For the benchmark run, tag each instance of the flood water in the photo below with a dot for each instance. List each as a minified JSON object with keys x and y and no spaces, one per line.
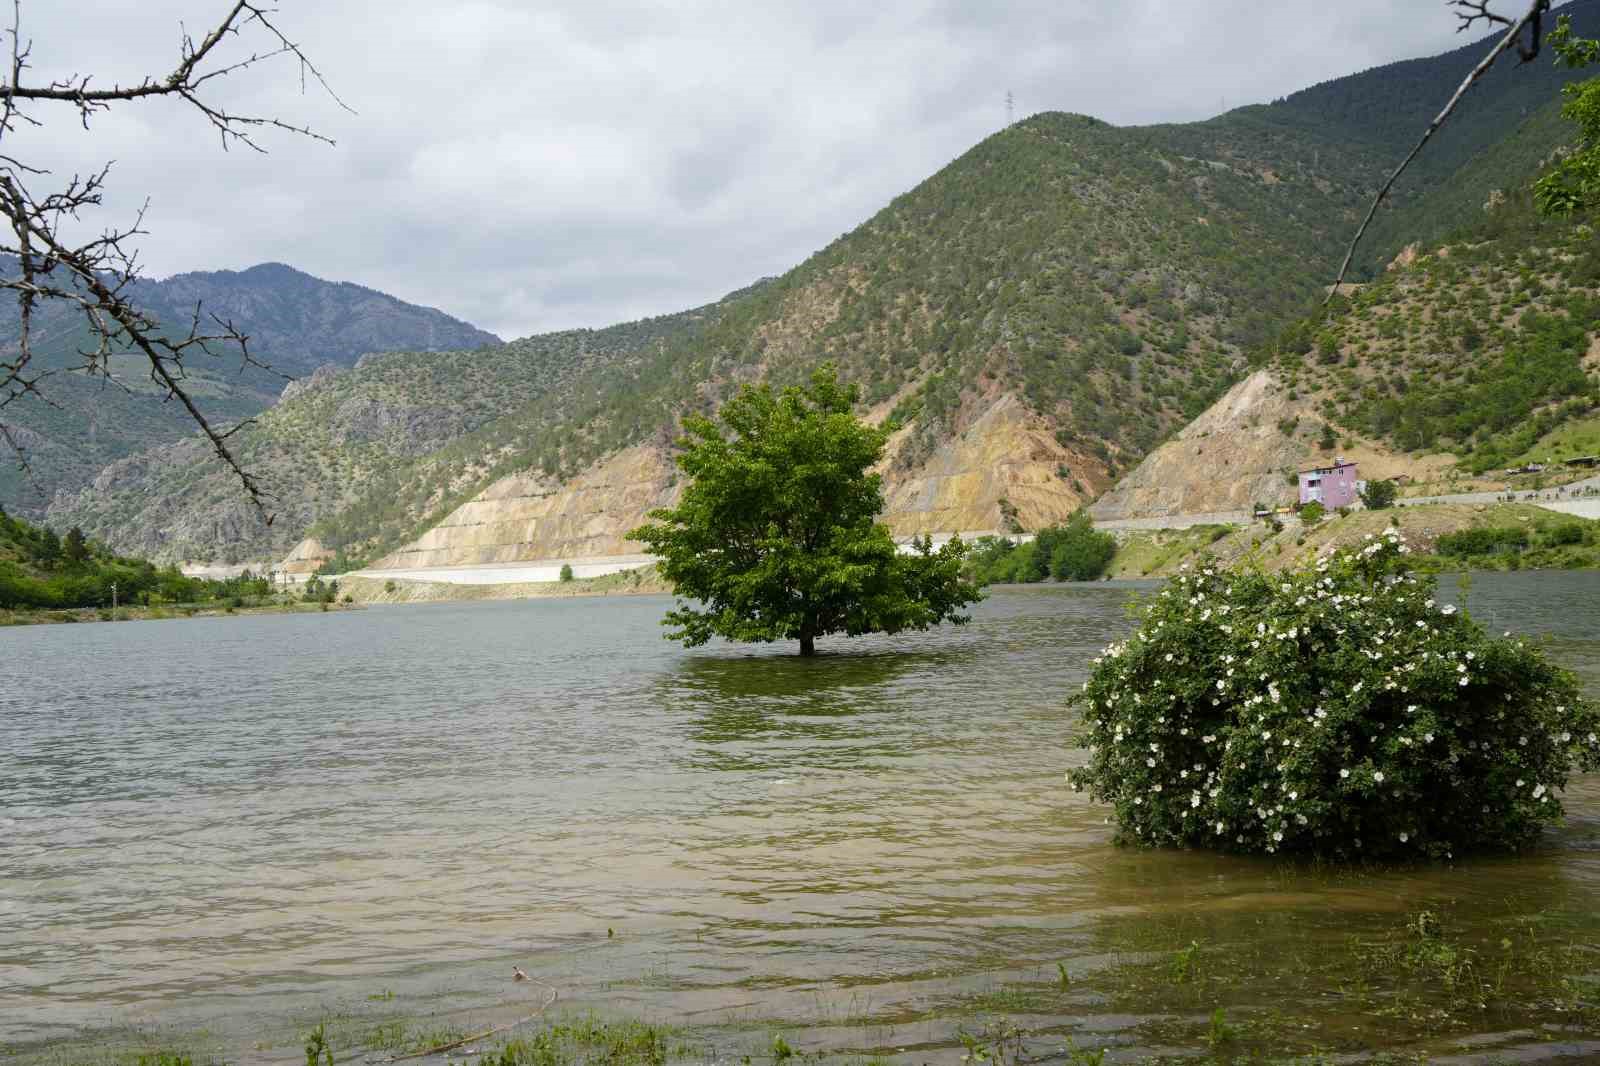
{"x":239,"y":823}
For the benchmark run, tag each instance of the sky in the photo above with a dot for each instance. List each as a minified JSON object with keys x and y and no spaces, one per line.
{"x":538,"y":166}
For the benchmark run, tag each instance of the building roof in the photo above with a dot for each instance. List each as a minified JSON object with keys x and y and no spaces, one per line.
{"x":1320,"y":468}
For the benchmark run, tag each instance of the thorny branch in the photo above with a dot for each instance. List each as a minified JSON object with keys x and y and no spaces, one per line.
{"x":1468,"y":14}
{"x":94,"y":278}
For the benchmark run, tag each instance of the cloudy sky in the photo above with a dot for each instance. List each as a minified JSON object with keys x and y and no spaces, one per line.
{"x":531,"y":166}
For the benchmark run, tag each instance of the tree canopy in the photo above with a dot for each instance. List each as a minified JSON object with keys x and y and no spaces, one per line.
{"x":1573,"y":181}
{"x":777,"y":536}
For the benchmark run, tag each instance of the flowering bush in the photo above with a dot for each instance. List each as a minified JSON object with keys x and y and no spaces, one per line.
{"x":1336,"y":711}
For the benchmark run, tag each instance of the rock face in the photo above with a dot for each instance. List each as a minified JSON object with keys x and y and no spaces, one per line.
{"x":1242,"y":450}
{"x":1230,"y":458}
{"x":306,"y":557}
{"x":527,"y":517}
{"x":1005,"y":454}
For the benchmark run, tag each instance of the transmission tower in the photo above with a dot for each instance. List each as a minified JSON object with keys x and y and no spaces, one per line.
{"x":1011,"y":108}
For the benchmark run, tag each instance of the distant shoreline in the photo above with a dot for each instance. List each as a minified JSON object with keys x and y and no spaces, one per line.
{"x":76,"y":615}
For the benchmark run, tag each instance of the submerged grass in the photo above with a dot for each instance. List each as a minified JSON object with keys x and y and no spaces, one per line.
{"x":588,"y":1040}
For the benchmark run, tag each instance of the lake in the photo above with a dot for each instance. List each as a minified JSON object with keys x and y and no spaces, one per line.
{"x":238,"y":825}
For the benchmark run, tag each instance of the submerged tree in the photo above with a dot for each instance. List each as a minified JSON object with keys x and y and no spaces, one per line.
{"x":777,"y":537}
{"x":1337,"y":710}
{"x":92,"y":274}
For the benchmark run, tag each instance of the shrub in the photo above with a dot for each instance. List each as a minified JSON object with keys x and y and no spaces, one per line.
{"x":1335,"y":711}
{"x":566,"y":571}
{"x":1379,"y":495}
{"x":1312,"y":513}
{"x":1075,"y":551}
{"x":1484,"y":540}
{"x":1564,"y":534}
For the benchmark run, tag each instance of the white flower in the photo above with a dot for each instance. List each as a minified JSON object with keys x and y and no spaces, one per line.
{"x":1277,"y":836}
{"x":1150,"y":763}
{"x":1427,"y":738}
{"x":1448,"y":608}
{"x":1520,"y":782}
{"x":1294,"y":795}
{"x":1378,"y":777}
{"x":1462,"y":681}
{"x":1404,"y":837}
{"x":1344,"y":773}
{"x":1538,"y":791}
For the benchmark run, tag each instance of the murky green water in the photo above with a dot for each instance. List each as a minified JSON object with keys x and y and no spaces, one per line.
{"x":240,"y":824}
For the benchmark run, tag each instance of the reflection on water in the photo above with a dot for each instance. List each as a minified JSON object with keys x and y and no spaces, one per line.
{"x":219,"y":822}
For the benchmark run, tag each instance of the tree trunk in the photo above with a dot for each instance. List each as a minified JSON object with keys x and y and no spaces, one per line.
{"x":808,"y":642}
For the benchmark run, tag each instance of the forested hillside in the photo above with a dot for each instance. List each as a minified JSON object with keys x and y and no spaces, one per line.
{"x":1110,"y":279}
{"x":295,"y":323}
{"x":1482,"y":347}
{"x":357,"y":442}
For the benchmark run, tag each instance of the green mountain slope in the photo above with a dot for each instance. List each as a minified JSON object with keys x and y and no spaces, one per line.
{"x":349,"y":441}
{"x":1107,"y":279}
{"x":1479,"y":349}
{"x":295,"y":323}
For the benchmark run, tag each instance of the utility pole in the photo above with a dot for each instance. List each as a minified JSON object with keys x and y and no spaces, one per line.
{"x":113,"y":599}
{"x":1011,"y":107}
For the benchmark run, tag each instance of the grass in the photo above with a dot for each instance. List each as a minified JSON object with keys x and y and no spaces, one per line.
{"x":1160,"y":553}
{"x":1567,"y":441}
{"x":1145,"y":554}
{"x":589,"y":1039}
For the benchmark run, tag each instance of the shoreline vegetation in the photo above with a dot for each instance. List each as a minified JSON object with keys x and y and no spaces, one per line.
{"x":1447,"y":537}
{"x":139,"y":613}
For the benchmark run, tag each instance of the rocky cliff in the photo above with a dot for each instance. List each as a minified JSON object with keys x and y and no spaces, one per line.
{"x":1243,"y":450}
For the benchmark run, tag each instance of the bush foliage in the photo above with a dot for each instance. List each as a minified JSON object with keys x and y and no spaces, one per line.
{"x":1337,"y":711}
{"x":1073,"y":551}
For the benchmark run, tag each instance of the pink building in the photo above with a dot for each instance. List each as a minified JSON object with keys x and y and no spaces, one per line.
{"x":1332,"y":486}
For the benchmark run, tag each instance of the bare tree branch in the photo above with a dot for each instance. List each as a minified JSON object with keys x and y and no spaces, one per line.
{"x":1470,"y":12}
{"x":95,"y":277}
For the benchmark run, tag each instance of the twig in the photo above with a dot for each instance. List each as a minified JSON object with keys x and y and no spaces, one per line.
{"x":94,"y":279}
{"x":486,"y":1033}
{"x":1479,"y":10}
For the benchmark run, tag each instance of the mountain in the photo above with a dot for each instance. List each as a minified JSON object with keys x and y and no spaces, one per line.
{"x":295,"y":322}
{"x":1032,"y":320}
{"x":360,"y":443}
{"x":1461,"y":361}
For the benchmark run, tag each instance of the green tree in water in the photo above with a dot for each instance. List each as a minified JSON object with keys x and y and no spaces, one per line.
{"x":777,"y":536}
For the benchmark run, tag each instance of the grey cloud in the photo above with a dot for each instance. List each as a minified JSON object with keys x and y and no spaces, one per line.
{"x":579,"y":162}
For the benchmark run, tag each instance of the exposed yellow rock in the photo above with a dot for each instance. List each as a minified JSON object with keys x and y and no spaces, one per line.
{"x":534,"y":517}
{"x":1237,"y":454}
{"x":1005,"y":452}
{"x":306,"y":557}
